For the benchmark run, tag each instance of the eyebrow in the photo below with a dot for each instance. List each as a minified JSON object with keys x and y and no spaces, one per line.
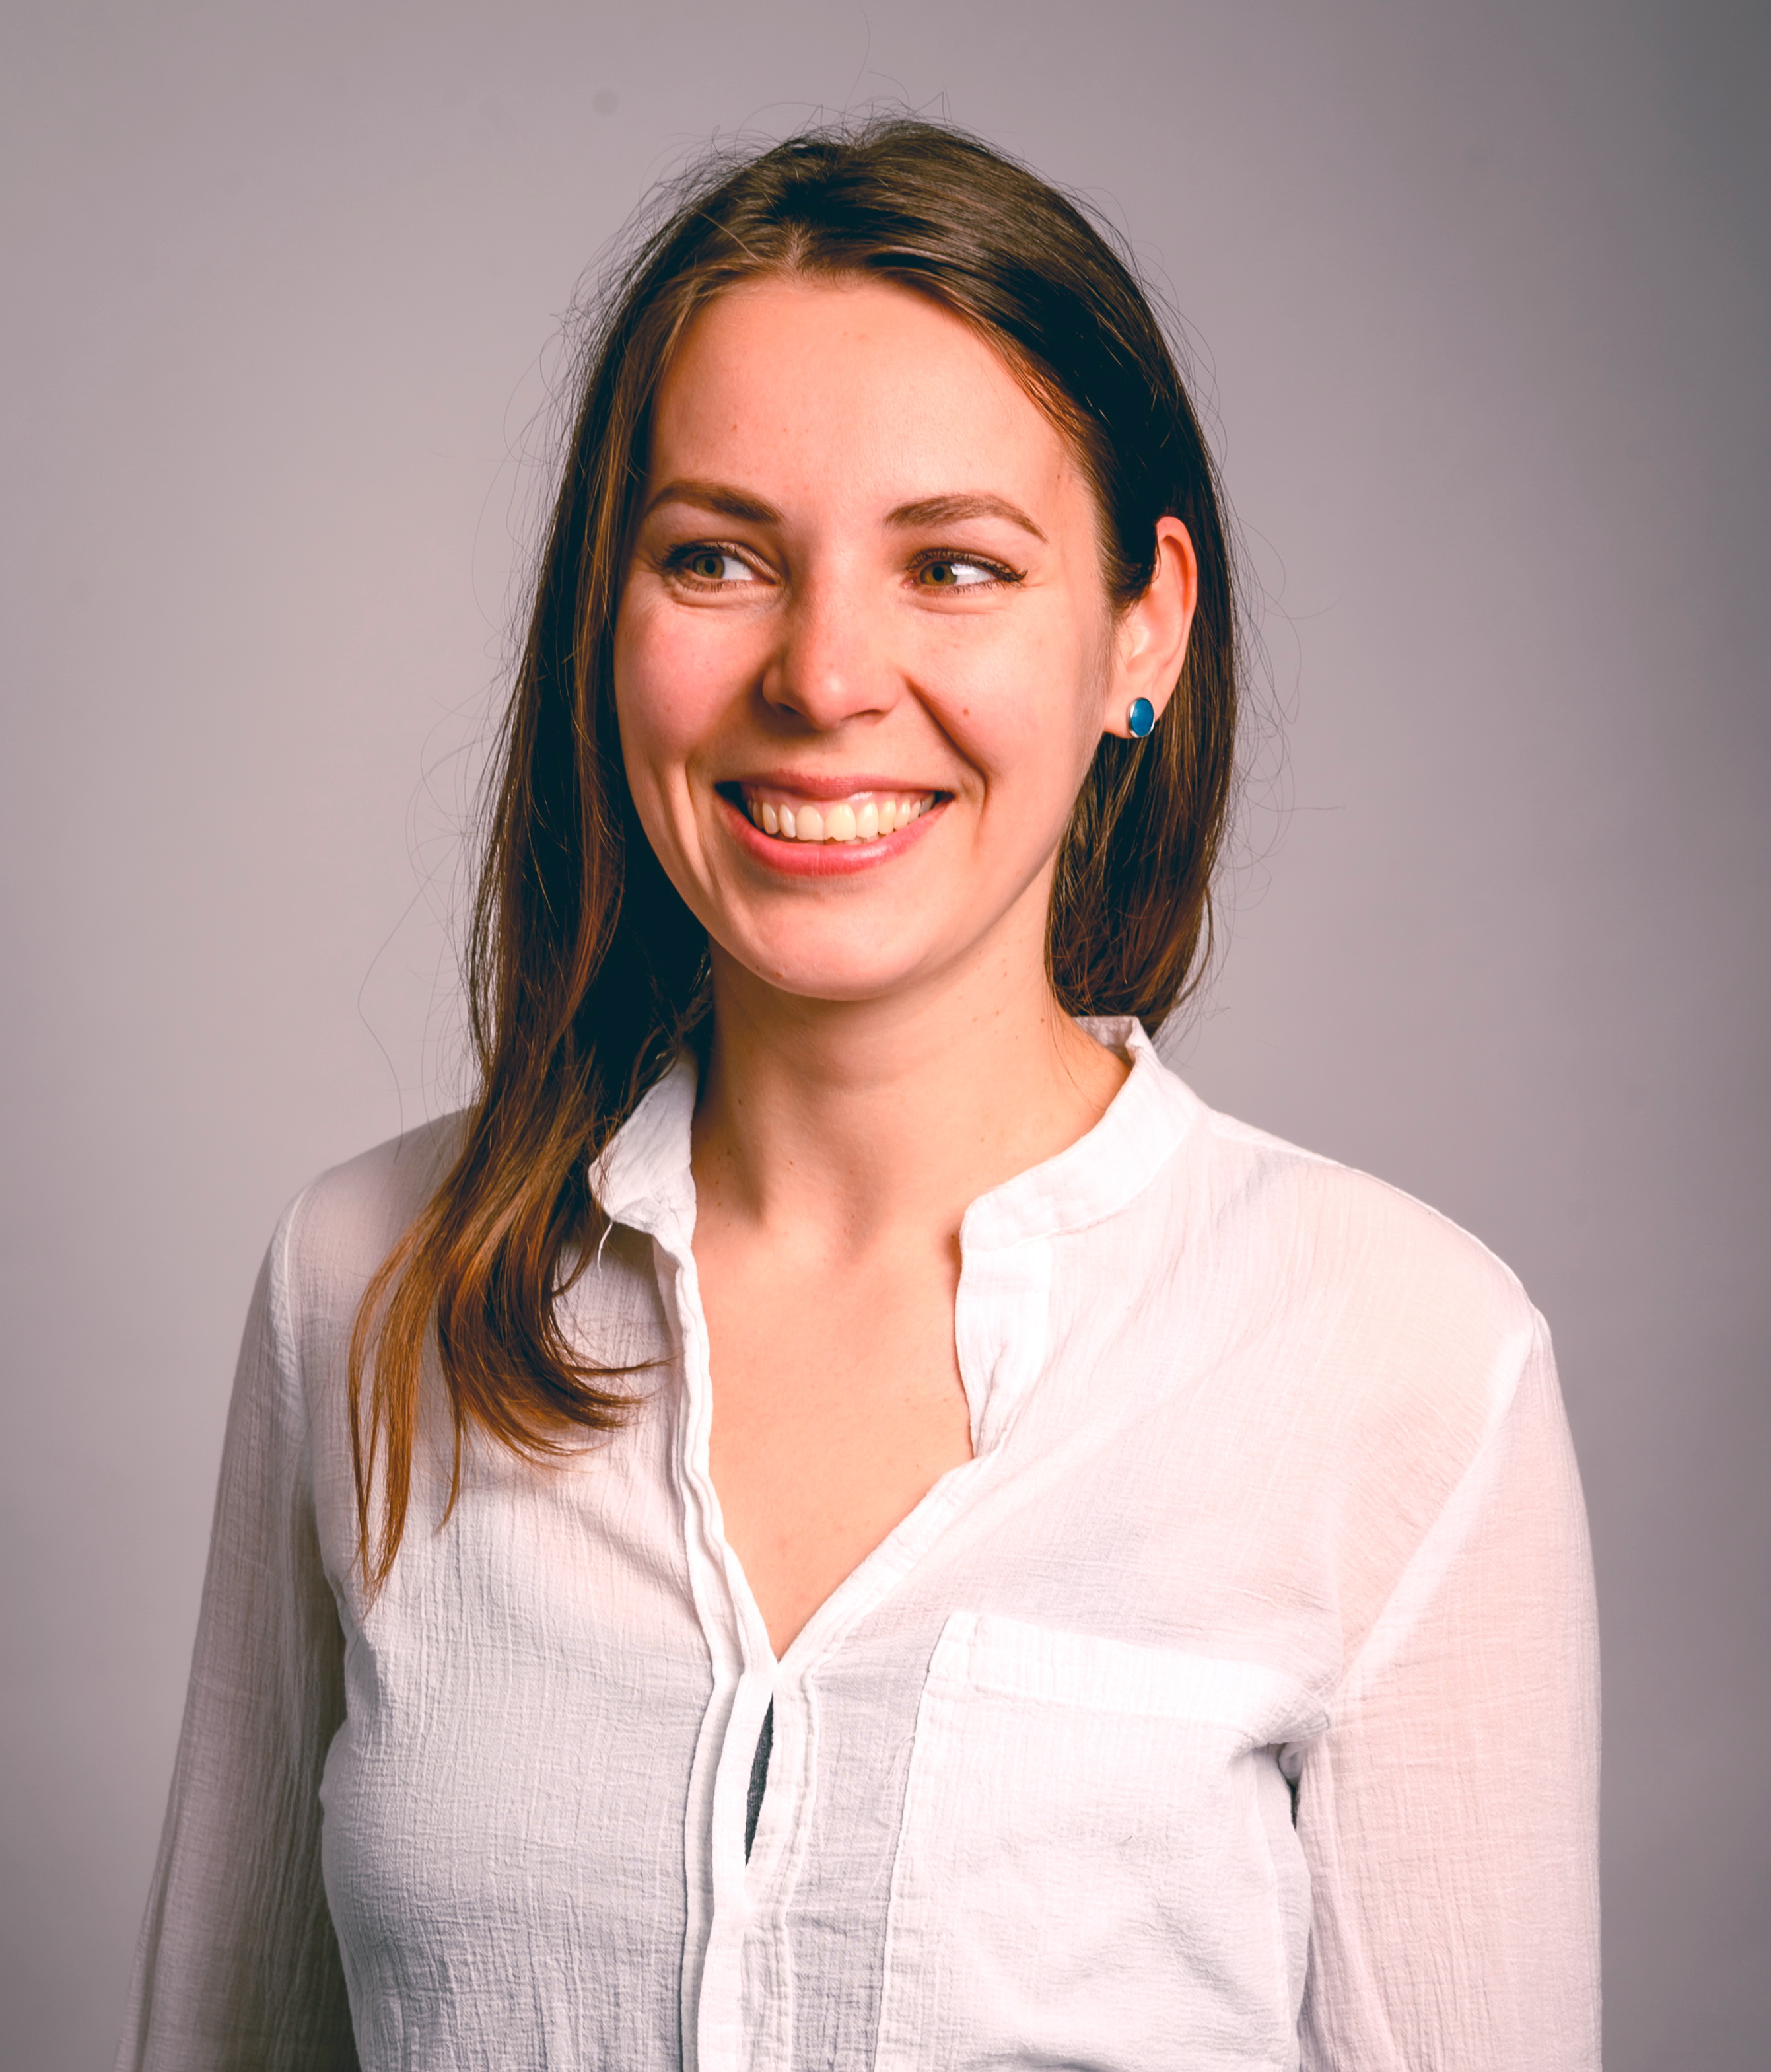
{"x":950,"y":510}
{"x":730,"y":502}
{"x":717,"y":497}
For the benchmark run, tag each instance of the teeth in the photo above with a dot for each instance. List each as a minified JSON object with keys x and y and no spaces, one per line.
{"x":840,"y":821}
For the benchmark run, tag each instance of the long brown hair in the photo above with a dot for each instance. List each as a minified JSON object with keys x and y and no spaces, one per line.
{"x":586,"y":970}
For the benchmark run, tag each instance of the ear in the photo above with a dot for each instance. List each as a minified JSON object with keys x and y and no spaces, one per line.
{"x":1150,"y":637}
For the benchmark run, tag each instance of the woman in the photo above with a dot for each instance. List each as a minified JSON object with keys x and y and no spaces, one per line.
{"x":838,"y":1517}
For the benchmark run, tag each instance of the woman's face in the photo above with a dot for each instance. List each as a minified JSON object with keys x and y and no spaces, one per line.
{"x":864,"y":650}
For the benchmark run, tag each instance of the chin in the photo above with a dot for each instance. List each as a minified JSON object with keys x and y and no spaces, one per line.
{"x":859,"y":970}
{"x":837,"y":982}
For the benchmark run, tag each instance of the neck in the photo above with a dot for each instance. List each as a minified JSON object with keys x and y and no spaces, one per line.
{"x":849,"y":1120}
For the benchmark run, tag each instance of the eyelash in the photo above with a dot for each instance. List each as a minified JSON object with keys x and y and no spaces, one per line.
{"x":1000,"y":575}
{"x":676,"y":561}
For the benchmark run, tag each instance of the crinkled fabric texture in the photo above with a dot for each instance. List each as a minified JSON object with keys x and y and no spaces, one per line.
{"x":1233,"y":1707}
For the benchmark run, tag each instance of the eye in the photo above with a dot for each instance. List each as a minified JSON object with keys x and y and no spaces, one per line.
{"x":703,"y":564}
{"x":960,"y":572}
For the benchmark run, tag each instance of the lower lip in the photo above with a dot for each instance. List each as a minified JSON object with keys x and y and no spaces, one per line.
{"x":824,"y":859}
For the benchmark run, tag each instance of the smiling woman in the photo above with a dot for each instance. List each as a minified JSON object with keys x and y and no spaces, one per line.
{"x":906,"y":621}
{"x":838,"y":1517}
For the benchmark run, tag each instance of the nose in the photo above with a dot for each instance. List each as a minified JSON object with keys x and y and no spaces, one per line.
{"x":832,"y":664}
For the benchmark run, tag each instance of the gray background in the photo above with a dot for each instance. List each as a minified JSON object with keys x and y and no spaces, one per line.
{"x":1480,"y":306}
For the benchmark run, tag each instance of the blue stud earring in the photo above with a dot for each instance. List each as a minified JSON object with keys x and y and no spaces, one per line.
{"x":1140,"y":718}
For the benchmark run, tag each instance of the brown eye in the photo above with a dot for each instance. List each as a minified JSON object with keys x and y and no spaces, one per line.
{"x":711,"y":565}
{"x":955,"y":573}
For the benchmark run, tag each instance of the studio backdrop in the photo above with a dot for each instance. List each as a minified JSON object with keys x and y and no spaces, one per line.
{"x":1476,"y":293}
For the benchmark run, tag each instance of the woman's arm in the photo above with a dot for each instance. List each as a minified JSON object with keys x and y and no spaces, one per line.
{"x":1450,"y":1815}
{"x":238,"y":1964}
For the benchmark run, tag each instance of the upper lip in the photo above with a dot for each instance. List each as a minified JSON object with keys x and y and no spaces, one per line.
{"x":807,"y":784}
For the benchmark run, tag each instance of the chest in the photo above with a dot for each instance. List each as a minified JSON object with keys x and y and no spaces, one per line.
{"x":999,"y":1823}
{"x":838,"y":1403}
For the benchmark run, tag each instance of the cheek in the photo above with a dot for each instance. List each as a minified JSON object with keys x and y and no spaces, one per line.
{"x":1027,"y":712}
{"x":668,"y":691}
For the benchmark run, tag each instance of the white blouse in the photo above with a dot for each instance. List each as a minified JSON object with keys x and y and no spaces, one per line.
{"x":1234,"y":1707}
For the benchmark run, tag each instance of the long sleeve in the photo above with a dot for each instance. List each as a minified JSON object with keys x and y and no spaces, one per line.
{"x":1450,"y":1813}
{"x":237,"y":1965}
{"x":1267,"y":1456}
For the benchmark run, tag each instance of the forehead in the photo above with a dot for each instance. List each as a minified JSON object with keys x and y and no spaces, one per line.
{"x":862,"y":383}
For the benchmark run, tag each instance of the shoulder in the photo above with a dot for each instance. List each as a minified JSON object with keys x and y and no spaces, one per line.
{"x":1387,"y":1306}
{"x":1267,"y":1213}
{"x":1336,"y":1219}
{"x":337,"y":1230}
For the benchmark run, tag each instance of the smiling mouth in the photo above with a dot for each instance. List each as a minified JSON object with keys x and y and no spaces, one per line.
{"x":863,"y":816}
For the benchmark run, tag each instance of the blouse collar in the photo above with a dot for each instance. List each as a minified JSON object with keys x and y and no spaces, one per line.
{"x":644,"y":1180}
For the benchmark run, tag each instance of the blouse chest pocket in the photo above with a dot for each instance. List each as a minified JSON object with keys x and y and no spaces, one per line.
{"x":1096,"y":1867}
